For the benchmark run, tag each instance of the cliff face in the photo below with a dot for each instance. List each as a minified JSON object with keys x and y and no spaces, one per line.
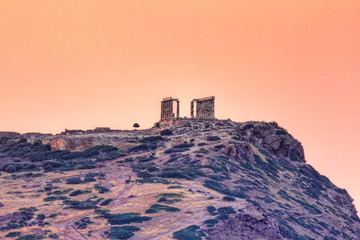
{"x":200,"y":179}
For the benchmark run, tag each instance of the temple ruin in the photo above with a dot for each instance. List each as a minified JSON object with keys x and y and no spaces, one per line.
{"x":168,"y":117}
{"x":204,"y":107}
{"x":167,"y":112}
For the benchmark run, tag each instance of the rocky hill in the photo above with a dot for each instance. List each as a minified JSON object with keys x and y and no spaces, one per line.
{"x":202,"y":179}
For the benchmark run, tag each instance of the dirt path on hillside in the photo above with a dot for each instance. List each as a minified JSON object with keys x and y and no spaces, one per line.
{"x":118,"y":201}
{"x":67,"y":229}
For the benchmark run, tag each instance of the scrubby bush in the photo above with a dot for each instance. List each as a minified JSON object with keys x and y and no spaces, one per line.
{"x":184,"y":145}
{"x":162,"y":199}
{"x":151,"y":210}
{"x":175,"y":187}
{"x":294,"y":157}
{"x":82,"y":205}
{"x":142,"y":147}
{"x":228,"y":199}
{"x":211,"y":210}
{"x":213,"y":138}
{"x":13,"y":234}
{"x":219,"y":187}
{"x":268,"y":199}
{"x":144,"y":174}
{"x":74,"y":180}
{"x":75,"y":193}
{"x":166,"y":132}
{"x":202,"y":151}
{"x":157,"y":207}
{"x":125,"y":218}
{"x":189,"y":233}
{"x":288,"y":232}
{"x":85,"y":166}
{"x":53,"y":163}
{"x":226,"y":210}
{"x":152,"y":139}
{"x":10,"y":168}
{"x":30,"y":237}
{"x":170,"y":195}
{"x":124,"y":232}
{"x":106,"y":202}
{"x":216,"y":177}
{"x":145,"y":158}
{"x":83,"y":223}
{"x":270,"y":167}
{"x":176,"y":150}
{"x":41,"y":216}
{"x":54,"y":198}
{"x":211,"y":222}
{"x":101,"y":189}
{"x":220,"y":146}
{"x":329,"y":238}
{"x":65,"y":191}
{"x":152,"y":169}
{"x":92,"y":174}
{"x":188,"y":174}
{"x":89,"y":179}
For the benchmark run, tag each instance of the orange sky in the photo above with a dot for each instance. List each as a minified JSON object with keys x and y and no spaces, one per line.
{"x":81,"y":64}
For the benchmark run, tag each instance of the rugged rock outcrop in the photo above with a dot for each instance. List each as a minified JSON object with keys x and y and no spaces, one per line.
{"x":246,"y":227}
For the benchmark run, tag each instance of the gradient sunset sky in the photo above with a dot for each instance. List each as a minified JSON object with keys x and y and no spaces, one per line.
{"x":85,"y":64}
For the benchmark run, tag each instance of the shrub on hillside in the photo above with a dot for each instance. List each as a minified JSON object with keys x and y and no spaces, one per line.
{"x":166,"y":132}
{"x":144,"y":174}
{"x":101,"y":189}
{"x":211,"y":210}
{"x":211,"y":222}
{"x":188,"y":174}
{"x":82,"y":205}
{"x":74,"y":180}
{"x":75,"y":193}
{"x":125,"y":218}
{"x":176,"y":150}
{"x":157,"y":207}
{"x":54,"y":198}
{"x":141,"y":147}
{"x":89,"y":179}
{"x":13,"y":234}
{"x":213,"y":138}
{"x":152,"y":169}
{"x":124,"y":232}
{"x":228,"y":199}
{"x":106,"y":202}
{"x":219,"y":187}
{"x":83,"y":223}
{"x":189,"y":233}
{"x":152,"y":139}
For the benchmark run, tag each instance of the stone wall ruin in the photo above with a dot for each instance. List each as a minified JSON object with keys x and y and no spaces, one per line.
{"x":167,"y":112}
{"x":205,"y":107}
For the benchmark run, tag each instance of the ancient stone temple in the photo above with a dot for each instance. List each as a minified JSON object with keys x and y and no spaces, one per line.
{"x":205,"y":107}
{"x":167,"y":108}
{"x":168,"y":117}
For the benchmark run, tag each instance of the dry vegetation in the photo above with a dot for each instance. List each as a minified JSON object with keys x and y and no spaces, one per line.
{"x":189,"y":185}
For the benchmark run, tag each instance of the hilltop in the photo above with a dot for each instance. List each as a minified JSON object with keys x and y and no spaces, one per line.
{"x":201,"y":179}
